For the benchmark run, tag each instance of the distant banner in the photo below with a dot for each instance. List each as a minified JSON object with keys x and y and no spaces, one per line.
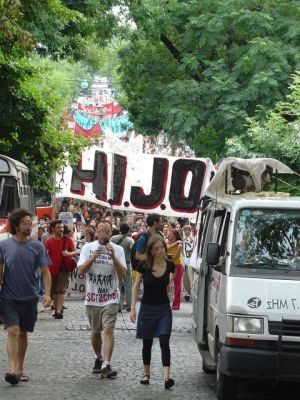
{"x":88,"y":109}
{"x":119,"y":126}
{"x":137,"y":182}
{"x":84,"y":121}
{"x":112,"y":109}
{"x":94,"y":131}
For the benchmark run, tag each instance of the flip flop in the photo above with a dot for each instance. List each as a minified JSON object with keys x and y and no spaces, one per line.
{"x":11,"y":378}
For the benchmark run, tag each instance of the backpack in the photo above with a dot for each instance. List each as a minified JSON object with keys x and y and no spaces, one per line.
{"x":121,"y":240}
{"x":133,"y":260}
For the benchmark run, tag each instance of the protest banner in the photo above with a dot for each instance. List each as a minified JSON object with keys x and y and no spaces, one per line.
{"x":170,"y":186}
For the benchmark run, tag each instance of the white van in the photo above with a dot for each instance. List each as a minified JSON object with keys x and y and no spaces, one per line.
{"x":246,"y":277}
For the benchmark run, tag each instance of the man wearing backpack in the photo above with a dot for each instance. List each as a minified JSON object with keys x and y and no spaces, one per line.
{"x":126,"y":242}
{"x":154,"y":222}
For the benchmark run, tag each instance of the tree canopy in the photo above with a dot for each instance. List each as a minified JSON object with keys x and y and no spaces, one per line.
{"x":198,"y":69}
{"x":277,"y":137}
{"x":36,"y":90}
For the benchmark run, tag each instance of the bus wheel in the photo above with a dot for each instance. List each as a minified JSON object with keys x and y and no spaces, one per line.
{"x":226,"y":385}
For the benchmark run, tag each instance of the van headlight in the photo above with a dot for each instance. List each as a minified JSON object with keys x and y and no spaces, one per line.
{"x":245,"y":325}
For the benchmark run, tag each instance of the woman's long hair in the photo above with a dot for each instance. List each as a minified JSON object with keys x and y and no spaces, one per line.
{"x":149,"y":256}
{"x":176,"y":234}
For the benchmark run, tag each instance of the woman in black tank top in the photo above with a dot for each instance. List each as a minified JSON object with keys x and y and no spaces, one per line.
{"x":155,"y":314}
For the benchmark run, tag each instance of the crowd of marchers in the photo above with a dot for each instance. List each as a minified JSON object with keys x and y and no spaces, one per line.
{"x":117,"y":253}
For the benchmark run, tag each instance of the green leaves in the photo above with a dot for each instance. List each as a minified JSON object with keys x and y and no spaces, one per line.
{"x":36,"y":91}
{"x":276,"y":137}
{"x":240,"y":55}
{"x":199,"y":70}
{"x":34,"y":94}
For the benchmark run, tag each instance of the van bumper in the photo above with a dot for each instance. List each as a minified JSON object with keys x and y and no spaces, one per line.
{"x":260,"y":363}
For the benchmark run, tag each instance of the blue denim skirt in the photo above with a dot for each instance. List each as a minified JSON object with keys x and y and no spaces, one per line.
{"x":154,"y":321}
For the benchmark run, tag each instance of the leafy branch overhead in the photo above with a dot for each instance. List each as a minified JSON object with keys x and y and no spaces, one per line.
{"x":278,"y":136}
{"x":218,"y":63}
{"x":199,"y":70}
{"x":46,"y":49}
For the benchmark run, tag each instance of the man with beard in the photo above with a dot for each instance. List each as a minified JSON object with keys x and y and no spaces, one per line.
{"x":58,"y":247}
{"x":102,"y":262}
{"x":20,"y":260}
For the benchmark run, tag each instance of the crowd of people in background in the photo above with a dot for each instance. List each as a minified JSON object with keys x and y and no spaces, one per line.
{"x":86,"y":217}
{"x":127,"y":228}
{"x":86,"y":213}
{"x":156,"y":145}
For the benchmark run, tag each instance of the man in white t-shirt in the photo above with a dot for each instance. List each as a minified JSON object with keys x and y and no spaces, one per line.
{"x":102,"y":262}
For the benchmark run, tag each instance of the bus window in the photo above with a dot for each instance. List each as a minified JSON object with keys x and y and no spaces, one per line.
{"x":26,"y":179}
{"x":42,"y":198}
{"x":9,"y":198}
{"x":44,"y":204}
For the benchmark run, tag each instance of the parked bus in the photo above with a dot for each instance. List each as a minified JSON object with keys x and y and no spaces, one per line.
{"x":15,"y":191}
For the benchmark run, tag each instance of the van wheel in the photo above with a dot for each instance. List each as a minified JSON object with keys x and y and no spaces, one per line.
{"x":226,"y":385}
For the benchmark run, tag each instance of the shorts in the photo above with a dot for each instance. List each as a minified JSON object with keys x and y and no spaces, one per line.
{"x":60,"y":283}
{"x":19,"y":313}
{"x":100,"y":317}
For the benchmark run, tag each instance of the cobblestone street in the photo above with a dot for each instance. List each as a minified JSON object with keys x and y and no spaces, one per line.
{"x":60,"y":359}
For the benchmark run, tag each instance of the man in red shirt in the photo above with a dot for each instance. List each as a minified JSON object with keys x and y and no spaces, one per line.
{"x":59,"y":246}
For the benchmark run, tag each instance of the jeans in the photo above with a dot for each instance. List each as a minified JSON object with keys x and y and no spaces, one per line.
{"x":127,"y":283}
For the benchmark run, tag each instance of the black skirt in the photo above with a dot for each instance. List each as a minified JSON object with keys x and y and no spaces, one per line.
{"x":154,"y":321}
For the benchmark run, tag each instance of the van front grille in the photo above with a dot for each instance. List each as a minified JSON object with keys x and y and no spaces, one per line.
{"x":284,"y":328}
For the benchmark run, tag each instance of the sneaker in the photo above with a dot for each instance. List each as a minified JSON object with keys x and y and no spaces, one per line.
{"x":98,"y":366}
{"x":107,"y":372}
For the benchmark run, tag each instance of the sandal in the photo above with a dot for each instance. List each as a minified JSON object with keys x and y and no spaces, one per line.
{"x":11,"y":378}
{"x":145,"y":381}
{"x":169,"y":383}
{"x":22,"y":377}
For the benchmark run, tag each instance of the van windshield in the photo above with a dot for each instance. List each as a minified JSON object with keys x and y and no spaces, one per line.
{"x":268,"y":239}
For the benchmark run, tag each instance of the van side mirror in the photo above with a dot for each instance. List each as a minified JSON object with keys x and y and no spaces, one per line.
{"x":213,"y":253}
